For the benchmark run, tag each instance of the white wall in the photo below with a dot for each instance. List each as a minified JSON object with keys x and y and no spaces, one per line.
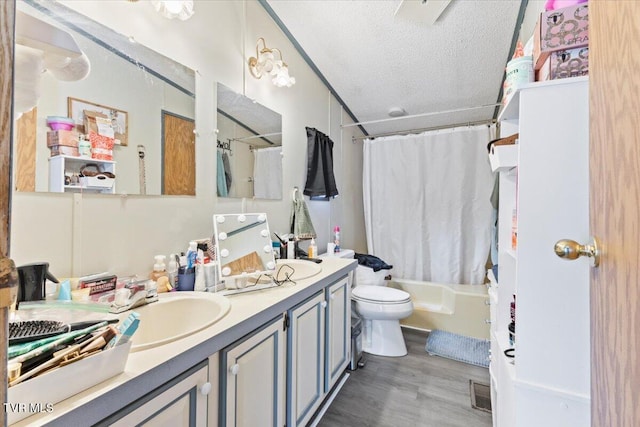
{"x":81,"y":234}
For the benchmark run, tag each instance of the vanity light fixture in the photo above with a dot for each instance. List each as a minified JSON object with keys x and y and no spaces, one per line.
{"x":181,"y":9}
{"x":265,"y":62}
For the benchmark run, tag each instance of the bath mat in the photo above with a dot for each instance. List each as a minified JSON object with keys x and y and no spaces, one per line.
{"x":458,"y":347}
{"x":480,"y":396}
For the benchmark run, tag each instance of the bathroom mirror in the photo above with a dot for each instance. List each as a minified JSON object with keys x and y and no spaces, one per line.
{"x":243,"y":245}
{"x":152,"y":96}
{"x":249,"y":147}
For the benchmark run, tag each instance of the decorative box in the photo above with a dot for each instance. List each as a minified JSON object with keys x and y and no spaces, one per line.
{"x":63,"y":150}
{"x":101,"y":146}
{"x":565,"y":63}
{"x":560,"y":29}
{"x":67,"y":138}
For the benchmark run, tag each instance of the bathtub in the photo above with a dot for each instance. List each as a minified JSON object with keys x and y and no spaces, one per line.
{"x":461,"y":309}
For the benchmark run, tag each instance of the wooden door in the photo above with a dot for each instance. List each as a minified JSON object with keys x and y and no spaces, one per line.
{"x":178,"y":155}
{"x":614,"y":86}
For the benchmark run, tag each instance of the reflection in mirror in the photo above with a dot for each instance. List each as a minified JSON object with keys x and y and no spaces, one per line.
{"x":249,"y":148}
{"x":244,"y":248}
{"x":149,"y":100}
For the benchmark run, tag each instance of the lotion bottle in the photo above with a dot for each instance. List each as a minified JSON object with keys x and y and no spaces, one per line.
{"x":313,"y":249}
{"x":159,"y":270}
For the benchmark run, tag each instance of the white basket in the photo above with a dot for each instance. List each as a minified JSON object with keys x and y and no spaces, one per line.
{"x":40,"y":394}
{"x":98,"y":181}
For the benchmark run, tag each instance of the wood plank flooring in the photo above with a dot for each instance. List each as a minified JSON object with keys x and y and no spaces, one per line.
{"x":416,"y":390}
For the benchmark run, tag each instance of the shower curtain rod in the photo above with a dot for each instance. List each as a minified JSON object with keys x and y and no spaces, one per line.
{"x":401,"y":132}
{"x":456,"y":110}
{"x":264,"y":135}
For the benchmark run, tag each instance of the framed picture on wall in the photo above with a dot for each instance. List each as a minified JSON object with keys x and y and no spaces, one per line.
{"x":119,"y":119}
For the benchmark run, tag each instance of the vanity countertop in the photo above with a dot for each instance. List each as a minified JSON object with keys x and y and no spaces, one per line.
{"x":148,"y":369}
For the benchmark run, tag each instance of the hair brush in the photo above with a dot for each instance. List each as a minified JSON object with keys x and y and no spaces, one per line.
{"x":31,"y":330}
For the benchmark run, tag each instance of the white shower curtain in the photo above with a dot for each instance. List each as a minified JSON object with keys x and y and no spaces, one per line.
{"x":267,"y":173}
{"x":426,"y":203}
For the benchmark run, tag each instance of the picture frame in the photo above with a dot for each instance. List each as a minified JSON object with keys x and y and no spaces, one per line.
{"x":119,"y":118}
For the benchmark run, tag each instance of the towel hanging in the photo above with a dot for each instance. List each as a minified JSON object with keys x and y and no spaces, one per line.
{"x":301,"y":225}
{"x":320,"y":179}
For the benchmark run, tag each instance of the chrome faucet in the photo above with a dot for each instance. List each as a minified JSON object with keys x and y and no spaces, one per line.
{"x":141,"y":296}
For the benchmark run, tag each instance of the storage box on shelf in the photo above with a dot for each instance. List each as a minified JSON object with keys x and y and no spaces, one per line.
{"x":561,"y":43}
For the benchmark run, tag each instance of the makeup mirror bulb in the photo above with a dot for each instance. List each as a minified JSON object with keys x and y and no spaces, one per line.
{"x":267,"y":249}
{"x":224,"y":253}
{"x":242,"y":218}
{"x":264,"y":233}
{"x":222,"y":236}
{"x":226,"y":271}
{"x":220,"y":219}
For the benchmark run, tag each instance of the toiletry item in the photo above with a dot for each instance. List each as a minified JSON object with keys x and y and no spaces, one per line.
{"x":210,"y":276}
{"x":84,"y":147}
{"x":312,"y":250}
{"x":199,"y":284}
{"x":336,"y":238}
{"x":65,"y":291}
{"x":291,"y":253}
{"x":172,"y":270}
{"x":276,"y":249}
{"x":159,"y":270}
{"x":33,"y":330}
{"x":192,"y":254}
{"x":331,"y":248}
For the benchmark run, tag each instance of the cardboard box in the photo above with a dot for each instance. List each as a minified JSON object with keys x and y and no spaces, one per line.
{"x":40,"y":394}
{"x":63,"y":150}
{"x":565,"y":63}
{"x":560,"y":29}
{"x":68,"y":138}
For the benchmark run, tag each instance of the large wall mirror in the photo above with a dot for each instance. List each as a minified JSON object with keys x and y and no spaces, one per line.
{"x":249,"y":148}
{"x":149,"y":98}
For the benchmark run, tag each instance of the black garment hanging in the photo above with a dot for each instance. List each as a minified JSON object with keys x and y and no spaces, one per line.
{"x":320,"y":179}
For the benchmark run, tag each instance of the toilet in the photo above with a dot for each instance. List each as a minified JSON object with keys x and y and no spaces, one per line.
{"x":381,"y":308}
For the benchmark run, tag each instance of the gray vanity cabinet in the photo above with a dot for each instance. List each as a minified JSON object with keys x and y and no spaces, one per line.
{"x":252,"y":379}
{"x":181,"y":402}
{"x":318,"y":349}
{"x":338,"y":331}
{"x":306,"y":359}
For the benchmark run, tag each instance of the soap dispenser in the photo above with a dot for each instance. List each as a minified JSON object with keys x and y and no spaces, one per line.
{"x":159,"y":271}
{"x":312,"y":250}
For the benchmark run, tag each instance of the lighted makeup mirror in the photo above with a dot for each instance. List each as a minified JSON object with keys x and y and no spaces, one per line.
{"x":244,"y":249}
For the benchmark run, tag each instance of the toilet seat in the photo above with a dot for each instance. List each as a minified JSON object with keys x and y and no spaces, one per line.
{"x":380,"y":295}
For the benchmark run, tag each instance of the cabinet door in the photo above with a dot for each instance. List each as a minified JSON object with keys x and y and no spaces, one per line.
{"x":182,"y":403}
{"x":338,"y":332}
{"x":306,"y":360}
{"x":252,"y":379}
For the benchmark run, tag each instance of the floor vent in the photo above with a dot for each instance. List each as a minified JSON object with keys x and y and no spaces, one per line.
{"x":480,"y":396}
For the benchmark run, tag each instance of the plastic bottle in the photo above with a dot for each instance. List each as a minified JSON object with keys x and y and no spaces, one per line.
{"x":172,"y":271}
{"x":291,"y":253}
{"x":192,"y":254}
{"x":312,"y":251}
{"x":336,"y":238}
{"x":84,"y":147}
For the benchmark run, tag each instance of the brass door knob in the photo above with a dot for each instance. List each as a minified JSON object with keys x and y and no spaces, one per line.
{"x":570,"y":250}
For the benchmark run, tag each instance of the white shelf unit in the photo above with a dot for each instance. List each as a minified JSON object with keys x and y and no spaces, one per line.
{"x":61,"y":165}
{"x":549,"y":382}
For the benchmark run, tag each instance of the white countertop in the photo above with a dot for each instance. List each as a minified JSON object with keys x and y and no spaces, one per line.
{"x":148,"y":369}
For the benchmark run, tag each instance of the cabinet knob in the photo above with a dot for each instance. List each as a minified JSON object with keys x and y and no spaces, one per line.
{"x":205,"y":389}
{"x":333,"y":296}
{"x":234,"y":369}
{"x":323,"y":304}
{"x":487,"y":302}
{"x":570,"y":250}
{"x":487,"y":321}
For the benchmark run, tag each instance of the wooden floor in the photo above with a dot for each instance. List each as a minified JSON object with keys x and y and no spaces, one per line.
{"x":416,"y":390}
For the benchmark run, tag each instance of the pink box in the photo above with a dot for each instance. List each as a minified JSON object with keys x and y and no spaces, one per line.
{"x":561,"y":29}
{"x":565,"y":63}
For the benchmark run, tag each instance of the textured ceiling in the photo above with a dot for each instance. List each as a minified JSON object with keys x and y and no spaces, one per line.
{"x":376,"y":61}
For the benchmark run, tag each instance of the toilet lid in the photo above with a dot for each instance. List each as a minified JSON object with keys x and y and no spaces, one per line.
{"x":380,"y":294}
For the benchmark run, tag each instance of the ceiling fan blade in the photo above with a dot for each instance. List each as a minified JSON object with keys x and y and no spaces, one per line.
{"x":423,"y":11}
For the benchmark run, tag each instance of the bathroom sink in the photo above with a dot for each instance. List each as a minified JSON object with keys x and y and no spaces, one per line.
{"x":176,"y":315}
{"x":296,"y":269}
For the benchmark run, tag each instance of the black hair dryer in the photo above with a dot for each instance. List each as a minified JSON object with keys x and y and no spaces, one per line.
{"x":32,"y":279}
